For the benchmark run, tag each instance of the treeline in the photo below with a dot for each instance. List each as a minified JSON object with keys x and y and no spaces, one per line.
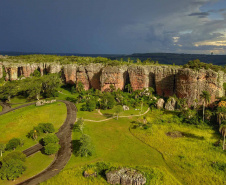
{"x":32,"y":88}
{"x":197,"y":65}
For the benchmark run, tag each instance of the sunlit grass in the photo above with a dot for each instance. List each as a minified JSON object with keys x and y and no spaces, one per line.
{"x":190,"y":156}
{"x":19,"y":122}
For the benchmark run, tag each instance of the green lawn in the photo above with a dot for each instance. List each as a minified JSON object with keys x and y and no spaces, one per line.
{"x":115,"y":144}
{"x":19,"y":122}
{"x":35,"y":164}
{"x":192,"y":156}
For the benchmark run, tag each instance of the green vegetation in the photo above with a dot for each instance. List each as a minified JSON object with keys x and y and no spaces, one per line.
{"x":192,"y":155}
{"x":18,"y":123}
{"x":197,"y":65}
{"x":12,"y":166}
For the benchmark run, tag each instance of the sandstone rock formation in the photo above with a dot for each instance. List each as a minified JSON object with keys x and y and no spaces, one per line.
{"x":166,"y":80}
{"x":138,"y":76}
{"x":125,"y":176}
{"x":190,"y":84}
{"x":113,"y":75}
{"x":160,"y":103}
{"x":170,"y":104}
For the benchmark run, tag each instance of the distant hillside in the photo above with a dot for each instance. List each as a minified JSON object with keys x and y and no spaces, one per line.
{"x":162,"y":58}
{"x":180,"y":59}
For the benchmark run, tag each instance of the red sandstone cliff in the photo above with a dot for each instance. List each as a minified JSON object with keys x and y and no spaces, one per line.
{"x":166,"y":80}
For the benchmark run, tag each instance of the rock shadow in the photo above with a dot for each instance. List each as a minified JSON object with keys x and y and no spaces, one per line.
{"x":192,"y":136}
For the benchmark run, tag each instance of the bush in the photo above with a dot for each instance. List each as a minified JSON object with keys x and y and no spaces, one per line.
{"x":50,"y":138}
{"x":46,"y":127}
{"x":13,"y":144}
{"x":86,"y":147}
{"x":90,"y":105}
{"x":15,"y":155}
{"x":51,"y":148}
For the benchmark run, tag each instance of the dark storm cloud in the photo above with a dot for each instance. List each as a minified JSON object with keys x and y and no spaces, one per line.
{"x":104,"y":26}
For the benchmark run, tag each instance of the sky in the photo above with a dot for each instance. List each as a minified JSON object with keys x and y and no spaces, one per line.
{"x":113,"y":26}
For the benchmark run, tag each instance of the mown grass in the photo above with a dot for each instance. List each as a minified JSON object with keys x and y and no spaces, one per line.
{"x":19,"y":122}
{"x":113,"y":143}
{"x":35,"y":164}
{"x":191,"y":157}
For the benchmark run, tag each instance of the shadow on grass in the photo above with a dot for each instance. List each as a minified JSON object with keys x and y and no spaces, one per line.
{"x":107,"y":115}
{"x":193,"y":136}
{"x":75,"y":147}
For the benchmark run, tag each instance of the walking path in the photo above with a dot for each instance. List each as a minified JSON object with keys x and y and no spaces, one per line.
{"x":115,"y":116}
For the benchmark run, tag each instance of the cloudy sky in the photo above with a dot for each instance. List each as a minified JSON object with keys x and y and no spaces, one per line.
{"x":113,"y":26}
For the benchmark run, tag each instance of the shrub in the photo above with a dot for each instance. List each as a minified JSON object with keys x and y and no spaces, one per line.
{"x":13,"y":144}
{"x":51,"y":148}
{"x":50,"y":138}
{"x":86,"y":147}
{"x":46,"y":127}
{"x":15,"y":155}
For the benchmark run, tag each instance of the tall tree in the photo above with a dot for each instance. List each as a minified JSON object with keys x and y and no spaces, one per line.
{"x":205,"y":96}
{"x":223,"y":132}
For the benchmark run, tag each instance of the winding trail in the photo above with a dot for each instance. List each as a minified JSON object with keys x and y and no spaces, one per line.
{"x":63,"y":155}
{"x":118,"y":117}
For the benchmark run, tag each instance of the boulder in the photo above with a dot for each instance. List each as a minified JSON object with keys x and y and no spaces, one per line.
{"x":170,"y":104}
{"x":90,"y":174}
{"x":160,"y":103}
{"x":125,"y":176}
{"x":125,"y":107}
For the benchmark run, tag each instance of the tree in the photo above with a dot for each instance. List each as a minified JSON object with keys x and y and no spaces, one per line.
{"x":13,"y":144}
{"x":80,"y":87}
{"x":223,"y":132}
{"x":51,"y":148}
{"x":33,"y":87}
{"x":13,"y":166}
{"x":129,"y":88}
{"x":79,"y":125}
{"x":50,"y":84}
{"x":89,"y":106}
{"x":73,"y":89}
{"x":2,"y":148}
{"x":9,"y":89}
{"x":118,"y":109}
{"x":12,"y":169}
{"x":46,"y":127}
{"x":86,"y":147}
{"x":205,"y":96}
{"x":50,"y":138}
{"x":221,"y":112}
{"x":36,"y":73}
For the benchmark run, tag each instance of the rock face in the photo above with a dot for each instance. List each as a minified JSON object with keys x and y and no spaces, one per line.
{"x":69,"y":71}
{"x":138,"y":76}
{"x":160,"y":103}
{"x":113,"y":75}
{"x":190,"y":84}
{"x":170,"y":104}
{"x":166,"y":80}
{"x":125,"y":176}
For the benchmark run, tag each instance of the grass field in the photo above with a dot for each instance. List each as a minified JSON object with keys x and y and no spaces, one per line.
{"x":113,"y":143}
{"x":193,"y":157}
{"x":0,"y":108}
{"x":19,"y":122}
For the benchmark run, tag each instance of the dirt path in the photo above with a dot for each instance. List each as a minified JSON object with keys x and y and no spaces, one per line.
{"x":5,"y":106}
{"x":115,"y":117}
{"x":64,"y":154}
